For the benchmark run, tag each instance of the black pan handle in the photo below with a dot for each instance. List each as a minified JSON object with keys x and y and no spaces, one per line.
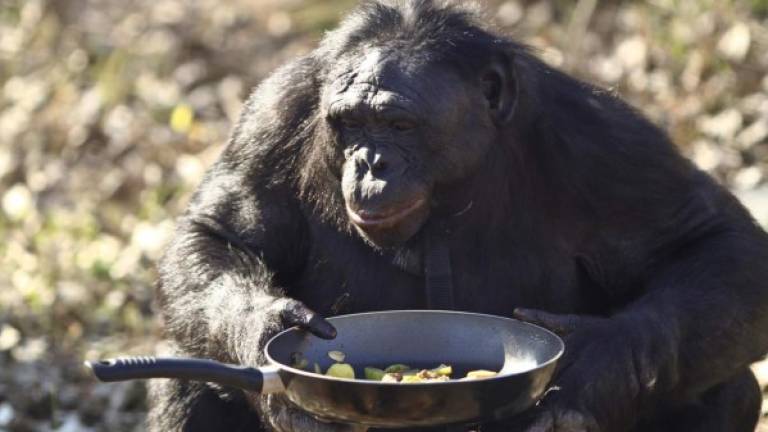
{"x":260,"y":380}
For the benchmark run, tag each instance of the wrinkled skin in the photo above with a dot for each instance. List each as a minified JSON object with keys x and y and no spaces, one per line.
{"x":389,"y":119}
{"x":559,"y":204}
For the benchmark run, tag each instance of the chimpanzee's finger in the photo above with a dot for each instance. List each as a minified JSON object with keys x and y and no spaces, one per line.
{"x":560,"y":324}
{"x":295,"y":312}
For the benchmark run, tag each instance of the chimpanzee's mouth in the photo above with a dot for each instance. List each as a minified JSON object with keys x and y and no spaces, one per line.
{"x":388,"y":217}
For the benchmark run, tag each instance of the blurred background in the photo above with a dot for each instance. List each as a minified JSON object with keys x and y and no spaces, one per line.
{"x":111,"y":110}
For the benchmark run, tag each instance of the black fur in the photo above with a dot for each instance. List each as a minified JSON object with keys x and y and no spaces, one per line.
{"x":577,"y":206}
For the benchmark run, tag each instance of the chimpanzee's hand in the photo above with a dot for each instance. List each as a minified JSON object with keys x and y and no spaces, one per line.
{"x":272,"y":315}
{"x":283,"y":416}
{"x":276,"y":411}
{"x":294,"y":313}
{"x":600,"y":379}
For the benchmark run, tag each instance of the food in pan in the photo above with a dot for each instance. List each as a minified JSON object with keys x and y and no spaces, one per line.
{"x":396,"y":373}
{"x":482,"y":373}
{"x":341,"y":370}
{"x":440,"y":373}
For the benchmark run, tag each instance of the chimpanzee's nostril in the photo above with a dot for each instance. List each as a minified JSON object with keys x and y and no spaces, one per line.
{"x":369,"y":161}
{"x":361,"y":165}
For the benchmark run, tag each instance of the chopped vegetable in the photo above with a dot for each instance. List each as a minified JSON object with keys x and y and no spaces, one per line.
{"x":396,"y":373}
{"x":443,"y":369}
{"x":394,"y":377}
{"x":477,"y":374}
{"x":417,"y":376}
{"x":397,"y":368}
{"x":411,"y":379}
{"x":341,"y":370}
{"x":374,"y":374}
{"x":337,"y":356}
{"x":431,"y":375}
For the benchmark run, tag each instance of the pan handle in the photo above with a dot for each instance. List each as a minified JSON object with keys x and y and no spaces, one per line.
{"x":260,"y":380}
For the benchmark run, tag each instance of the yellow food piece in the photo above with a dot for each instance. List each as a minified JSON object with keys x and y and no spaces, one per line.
{"x":374,"y":374}
{"x":444,"y":370}
{"x":482,"y":373}
{"x":411,"y":379}
{"x":397,"y":368}
{"x":317,"y":369}
{"x":341,"y":370}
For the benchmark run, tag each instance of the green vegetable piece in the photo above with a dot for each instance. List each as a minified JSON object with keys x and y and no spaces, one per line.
{"x":374,"y":374}
{"x":341,"y":370}
{"x":317,"y":369}
{"x":397,"y":368}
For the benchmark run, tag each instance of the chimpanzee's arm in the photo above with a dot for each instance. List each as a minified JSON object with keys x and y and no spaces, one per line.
{"x":705,"y":312}
{"x":243,"y":235}
{"x":679,"y":259}
{"x":700,"y":319}
{"x":218,"y":286}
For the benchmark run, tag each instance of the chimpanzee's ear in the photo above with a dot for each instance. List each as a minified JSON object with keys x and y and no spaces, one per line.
{"x":499,"y":83}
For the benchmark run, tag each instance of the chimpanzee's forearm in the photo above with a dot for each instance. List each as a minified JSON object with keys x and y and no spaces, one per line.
{"x":704,"y":317}
{"x":208,"y":290}
{"x":217,"y":290}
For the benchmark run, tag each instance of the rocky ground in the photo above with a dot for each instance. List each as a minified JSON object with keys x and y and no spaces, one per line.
{"x":111,"y":110}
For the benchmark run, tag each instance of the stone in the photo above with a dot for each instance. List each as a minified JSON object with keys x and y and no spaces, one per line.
{"x":734,"y":44}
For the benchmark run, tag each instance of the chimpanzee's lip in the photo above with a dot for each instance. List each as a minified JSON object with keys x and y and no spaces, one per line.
{"x":365,"y":219}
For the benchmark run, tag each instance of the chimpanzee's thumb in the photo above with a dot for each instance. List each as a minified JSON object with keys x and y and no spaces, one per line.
{"x":296,"y":313}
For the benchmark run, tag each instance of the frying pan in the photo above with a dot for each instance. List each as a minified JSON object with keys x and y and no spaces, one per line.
{"x":524,"y":354}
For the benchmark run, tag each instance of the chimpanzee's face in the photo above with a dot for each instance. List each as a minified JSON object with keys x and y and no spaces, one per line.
{"x":403,"y":126}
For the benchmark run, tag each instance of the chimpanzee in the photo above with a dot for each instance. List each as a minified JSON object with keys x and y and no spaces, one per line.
{"x":416,"y":125}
